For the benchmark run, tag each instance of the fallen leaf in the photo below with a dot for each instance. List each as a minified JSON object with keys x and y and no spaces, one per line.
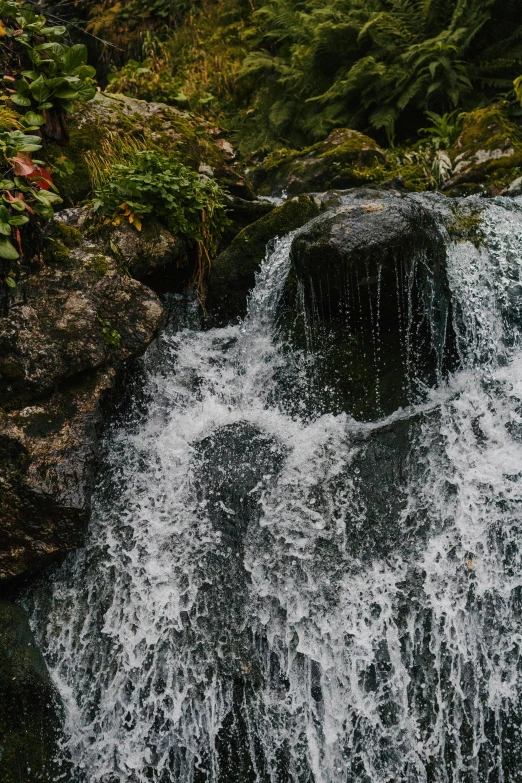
{"x":23,"y":166}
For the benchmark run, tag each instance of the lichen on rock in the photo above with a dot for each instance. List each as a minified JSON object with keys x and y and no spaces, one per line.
{"x":487,"y":155}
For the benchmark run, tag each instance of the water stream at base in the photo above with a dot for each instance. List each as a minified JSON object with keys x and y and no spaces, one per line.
{"x":244,"y":612}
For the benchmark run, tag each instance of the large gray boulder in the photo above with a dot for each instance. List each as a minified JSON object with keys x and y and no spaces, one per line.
{"x":368,"y":296}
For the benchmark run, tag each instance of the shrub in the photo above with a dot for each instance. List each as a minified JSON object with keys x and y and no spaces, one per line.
{"x":151,"y":183}
{"x":42,"y":77}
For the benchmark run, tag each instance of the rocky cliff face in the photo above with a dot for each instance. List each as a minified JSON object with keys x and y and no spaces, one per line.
{"x":70,"y":328}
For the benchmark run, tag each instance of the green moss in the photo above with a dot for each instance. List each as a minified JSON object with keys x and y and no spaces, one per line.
{"x":55,"y":251}
{"x":72,"y":178}
{"x":233,"y":272}
{"x":466,"y":225}
{"x":345,"y":159}
{"x":99,"y":265}
{"x":487,"y":129}
{"x":70,"y":236}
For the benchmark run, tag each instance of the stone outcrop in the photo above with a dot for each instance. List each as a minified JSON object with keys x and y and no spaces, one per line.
{"x":108,"y":117}
{"x":342,"y":160}
{"x":233,"y":273}
{"x":487,"y":155}
{"x":368,"y":294}
{"x":70,"y":327}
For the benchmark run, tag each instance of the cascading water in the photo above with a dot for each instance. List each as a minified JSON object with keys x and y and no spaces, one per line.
{"x":274,"y":597}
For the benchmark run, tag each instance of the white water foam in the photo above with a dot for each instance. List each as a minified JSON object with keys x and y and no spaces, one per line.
{"x":362,"y":622}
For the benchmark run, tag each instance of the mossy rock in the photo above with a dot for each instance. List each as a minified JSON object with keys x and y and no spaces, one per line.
{"x":233,"y":273}
{"x":345,"y":159}
{"x":152,"y":125}
{"x":487,"y":156}
{"x":242,"y":213}
{"x":30,"y":712}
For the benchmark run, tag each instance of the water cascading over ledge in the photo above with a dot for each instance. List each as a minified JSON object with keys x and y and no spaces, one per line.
{"x":275,"y":589}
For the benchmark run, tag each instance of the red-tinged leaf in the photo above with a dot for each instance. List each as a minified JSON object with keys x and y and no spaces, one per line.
{"x":22,"y":164}
{"x":42,"y":177}
{"x":18,"y":239}
{"x":19,"y":197}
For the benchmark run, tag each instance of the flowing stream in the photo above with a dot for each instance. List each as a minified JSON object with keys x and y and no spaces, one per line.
{"x":276,"y":596}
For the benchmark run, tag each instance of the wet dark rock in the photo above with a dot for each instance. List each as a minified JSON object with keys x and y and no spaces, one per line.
{"x":241,"y":214}
{"x":235,"y":464}
{"x":48,"y":458}
{"x":368,"y":296}
{"x":72,"y":320}
{"x":233,"y":273}
{"x":30,"y":713}
{"x":389,"y":464}
{"x":72,"y":325}
{"x":150,"y":251}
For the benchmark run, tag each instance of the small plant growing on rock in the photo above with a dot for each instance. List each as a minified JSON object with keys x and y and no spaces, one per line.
{"x":153,"y":184}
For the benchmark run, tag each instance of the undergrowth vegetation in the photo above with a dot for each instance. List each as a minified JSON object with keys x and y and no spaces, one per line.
{"x":151,"y":183}
{"x":284,"y":73}
{"x":41,"y":78}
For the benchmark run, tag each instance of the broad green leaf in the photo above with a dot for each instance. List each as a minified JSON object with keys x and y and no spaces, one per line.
{"x":56,"y":82}
{"x":52,"y":46}
{"x":22,"y":87}
{"x":18,"y":205}
{"x":30,"y":148}
{"x":76,"y":56}
{"x":88,"y":72}
{"x":34,"y":119}
{"x":4,"y":214}
{"x":70,"y":93}
{"x":8,"y":251}
{"x":58,"y":30}
{"x":86,"y":92}
{"x":45,"y":211}
{"x":40,"y":89}
{"x":18,"y":220}
{"x":5,"y":229}
{"x":9,"y":281}
{"x":20,"y":100}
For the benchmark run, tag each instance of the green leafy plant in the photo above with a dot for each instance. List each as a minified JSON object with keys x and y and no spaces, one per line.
{"x":444,"y":129}
{"x":153,"y":184}
{"x":110,"y":335}
{"x":58,"y":75}
{"x":42,"y":78}
{"x":518,"y":88}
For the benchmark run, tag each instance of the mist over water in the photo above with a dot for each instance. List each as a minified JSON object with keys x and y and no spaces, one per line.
{"x":270,"y":595}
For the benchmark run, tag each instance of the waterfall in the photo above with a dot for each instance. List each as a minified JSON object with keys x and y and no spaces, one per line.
{"x":268,"y":597}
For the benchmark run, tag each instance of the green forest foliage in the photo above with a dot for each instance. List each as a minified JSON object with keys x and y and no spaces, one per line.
{"x":284,"y":73}
{"x":42,"y":78}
